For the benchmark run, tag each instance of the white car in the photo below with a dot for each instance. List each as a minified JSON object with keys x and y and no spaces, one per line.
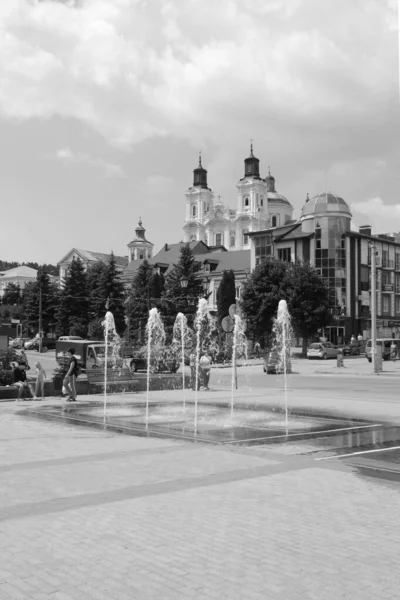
{"x":322,"y":350}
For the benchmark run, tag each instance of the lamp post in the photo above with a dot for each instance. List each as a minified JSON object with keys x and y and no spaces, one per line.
{"x":184,"y":282}
{"x":205,"y":282}
{"x":373,"y":306}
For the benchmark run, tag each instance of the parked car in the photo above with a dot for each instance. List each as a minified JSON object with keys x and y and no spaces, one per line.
{"x":386,"y":344}
{"x":16,"y":343}
{"x":272,"y":364}
{"x":354,"y":348}
{"x":322,"y":350}
{"x":47,"y":344}
{"x":69,"y":338}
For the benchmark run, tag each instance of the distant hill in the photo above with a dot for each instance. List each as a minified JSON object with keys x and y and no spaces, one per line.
{"x":50,"y":269}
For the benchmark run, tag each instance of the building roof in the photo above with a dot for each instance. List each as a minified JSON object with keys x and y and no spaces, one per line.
{"x":276,"y":197}
{"x":235,"y":260}
{"x":325,"y":203}
{"x":21,"y":271}
{"x":90,"y":256}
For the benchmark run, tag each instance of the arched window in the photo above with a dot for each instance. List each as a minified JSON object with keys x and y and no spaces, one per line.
{"x":245,"y":237}
{"x":246,"y":202}
{"x":261,"y":201}
{"x":232,"y":241}
{"x":194,"y":210}
{"x":141,"y":255}
{"x":274,"y":221}
{"x":149,"y":254}
{"x":193,"y":238}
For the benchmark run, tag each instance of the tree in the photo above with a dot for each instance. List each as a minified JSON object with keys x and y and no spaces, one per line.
{"x":182,"y":299}
{"x":109,"y":287}
{"x":138,"y":302}
{"x":43,"y":288}
{"x":308,"y":300}
{"x":297,"y":283}
{"x":73,"y":310}
{"x":12,"y":294}
{"x":226,"y":294}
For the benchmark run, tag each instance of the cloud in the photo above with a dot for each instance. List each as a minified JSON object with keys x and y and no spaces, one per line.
{"x":382,"y":217}
{"x":68,"y":157}
{"x":133,"y":69}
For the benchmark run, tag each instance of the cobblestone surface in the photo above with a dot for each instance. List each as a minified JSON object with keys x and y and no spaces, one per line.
{"x":224,"y":523}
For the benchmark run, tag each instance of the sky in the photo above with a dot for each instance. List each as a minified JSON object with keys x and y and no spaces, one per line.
{"x":105,"y":105}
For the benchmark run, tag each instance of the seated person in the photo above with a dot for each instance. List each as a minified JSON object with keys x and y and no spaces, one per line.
{"x":24,"y":389}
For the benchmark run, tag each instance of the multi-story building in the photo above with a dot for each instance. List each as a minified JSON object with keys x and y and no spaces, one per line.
{"x":323,"y":237}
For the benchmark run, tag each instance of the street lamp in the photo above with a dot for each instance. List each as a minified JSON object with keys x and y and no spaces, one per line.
{"x":373,"y":305}
{"x":205,"y":285}
{"x":184,"y":282}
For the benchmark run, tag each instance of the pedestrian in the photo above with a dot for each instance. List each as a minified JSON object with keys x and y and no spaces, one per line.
{"x":20,"y":380}
{"x":353,"y":339}
{"x":360,"y":337}
{"x":393,"y":350}
{"x":205,"y":365}
{"x":40,"y":377}
{"x":72,"y":373}
{"x":192,"y":362}
{"x":257,"y":349}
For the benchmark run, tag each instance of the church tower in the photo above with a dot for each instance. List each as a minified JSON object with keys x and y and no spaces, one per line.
{"x":252,"y":202}
{"x":140,"y":248}
{"x":199,"y":203}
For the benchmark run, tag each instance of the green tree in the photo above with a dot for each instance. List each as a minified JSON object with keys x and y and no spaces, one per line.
{"x":226,"y":294}
{"x":73,"y":310}
{"x":297,"y":283}
{"x":48,"y":291}
{"x":138,"y":302}
{"x":182,"y":299}
{"x":12,"y":294}
{"x":109,"y":287}
{"x":308,"y":300}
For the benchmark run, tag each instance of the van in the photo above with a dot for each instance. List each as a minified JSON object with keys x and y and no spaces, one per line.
{"x":385,"y":343}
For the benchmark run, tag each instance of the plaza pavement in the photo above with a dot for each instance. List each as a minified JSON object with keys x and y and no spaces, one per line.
{"x":86,"y":514}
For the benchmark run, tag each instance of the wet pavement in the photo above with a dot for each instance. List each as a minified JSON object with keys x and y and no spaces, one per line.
{"x":89,"y":514}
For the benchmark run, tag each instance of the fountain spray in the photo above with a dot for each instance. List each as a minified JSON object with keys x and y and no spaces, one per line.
{"x":155,"y":337}
{"x":181,"y":330}
{"x":283,"y":337}
{"x":201,"y":316}
{"x":239,"y":344}
{"x":109,"y":335}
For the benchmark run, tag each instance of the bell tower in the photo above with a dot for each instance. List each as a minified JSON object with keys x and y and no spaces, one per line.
{"x":199,"y":204}
{"x":140,"y":248}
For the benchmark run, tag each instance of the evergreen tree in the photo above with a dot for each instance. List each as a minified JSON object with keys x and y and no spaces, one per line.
{"x":31,"y":303}
{"x":226,"y":294}
{"x":73,"y":309}
{"x":138,"y":302}
{"x":12,"y":294}
{"x":182,"y":299}
{"x":110,"y":287}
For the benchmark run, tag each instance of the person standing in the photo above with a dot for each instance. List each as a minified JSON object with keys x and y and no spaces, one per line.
{"x":40,"y":377}
{"x":205,"y":364}
{"x":257,"y":349}
{"x":70,"y":378}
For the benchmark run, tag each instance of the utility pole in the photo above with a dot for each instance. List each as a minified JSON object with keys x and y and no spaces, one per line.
{"x":40,"y":313}
{"x":373,"y":307}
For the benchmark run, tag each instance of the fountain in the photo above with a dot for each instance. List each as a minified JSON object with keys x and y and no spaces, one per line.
{"x":155,"y":338}
{"x":283,"y":336}
{"x":182,"y":337}
{"x":201,"y":325}
{"x":110,"y":337}
{"x":238,"y":347}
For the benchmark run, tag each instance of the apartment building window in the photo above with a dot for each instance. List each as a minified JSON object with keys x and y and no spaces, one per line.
{"x":284,"y":254}
{"x":385,"y":304}
{"x":385,"y":278}
{"x":397,"y":261}
{"x":385,"y":259}
{"x":397,"y":284}
{"x":397,"y":305}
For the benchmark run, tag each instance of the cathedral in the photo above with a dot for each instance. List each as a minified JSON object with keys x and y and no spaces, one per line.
{"x":259,"y":206}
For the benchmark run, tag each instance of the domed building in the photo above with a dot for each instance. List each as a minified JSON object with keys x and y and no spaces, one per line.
{"x":323,"y":236}
{"x":258,"y":206}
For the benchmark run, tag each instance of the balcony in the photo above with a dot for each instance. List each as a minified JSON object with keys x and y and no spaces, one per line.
{"x":386,"y":263}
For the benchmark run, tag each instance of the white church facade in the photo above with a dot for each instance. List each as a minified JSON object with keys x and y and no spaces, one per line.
{"x":259,"y":206}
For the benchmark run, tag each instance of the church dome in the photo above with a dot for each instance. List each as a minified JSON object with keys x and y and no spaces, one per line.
{"x":252,"y":165}
{"x":324,"y":204}
{"x":275,"y":197}
{"x":200,"y":176}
